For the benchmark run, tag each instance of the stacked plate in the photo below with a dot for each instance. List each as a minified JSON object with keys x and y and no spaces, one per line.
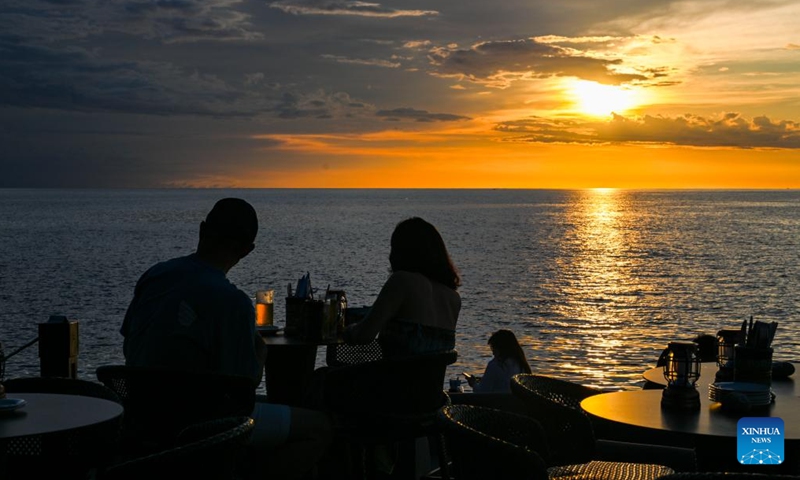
{"x":757,"y":394}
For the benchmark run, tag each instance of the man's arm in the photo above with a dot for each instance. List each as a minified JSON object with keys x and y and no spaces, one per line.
{"x":239,"y":352}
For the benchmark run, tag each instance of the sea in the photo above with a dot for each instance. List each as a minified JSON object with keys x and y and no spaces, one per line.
{"x":594,"y":283}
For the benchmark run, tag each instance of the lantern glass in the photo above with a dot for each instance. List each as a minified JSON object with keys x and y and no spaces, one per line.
{"x":683,"y":366}
{"x":726,"y":341}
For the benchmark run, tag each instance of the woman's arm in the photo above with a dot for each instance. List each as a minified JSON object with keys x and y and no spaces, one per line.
{"x":386,"y":307}
{"x":492,"y":379}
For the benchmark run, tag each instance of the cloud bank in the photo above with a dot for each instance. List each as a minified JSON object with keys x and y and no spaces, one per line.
{"x":498,"y":63}
{"x":398,"y":114}
{"x":728,"y":130}
{"x":349,"y":8}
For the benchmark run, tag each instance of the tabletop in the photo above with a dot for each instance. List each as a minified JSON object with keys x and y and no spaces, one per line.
{"x":49,"y":412}
{"x":278,"y":339}
{"x":642,"y":408}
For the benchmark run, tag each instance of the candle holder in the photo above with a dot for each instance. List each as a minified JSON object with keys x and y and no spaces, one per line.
{"x":726,"y":354}
{"x":681,"y":372}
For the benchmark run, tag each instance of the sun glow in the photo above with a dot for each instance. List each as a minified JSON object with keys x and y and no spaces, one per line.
{"x":596,"y":99}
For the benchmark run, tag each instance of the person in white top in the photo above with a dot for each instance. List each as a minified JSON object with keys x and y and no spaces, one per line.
{"x":509,"y":360}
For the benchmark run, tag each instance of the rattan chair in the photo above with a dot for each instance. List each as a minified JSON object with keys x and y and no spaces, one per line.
{"x":388,"y":401}
{"x":487,"y":444}
{"x":208,"y":451}
{"x":160,"y":402}
{"x":340,"y":355}
{"x":70,"y":454}
{"x":556,"y":404}
{"x":571,"y":434}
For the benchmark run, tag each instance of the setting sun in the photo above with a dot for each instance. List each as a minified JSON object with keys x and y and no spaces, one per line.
{"x":593,"y":98}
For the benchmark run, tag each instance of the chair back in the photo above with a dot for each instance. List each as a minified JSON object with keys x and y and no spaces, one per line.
{"x":208,"y":450}
{"x":556,"y":404}
{"x":409,"y":385}
{"x":486,"y":444}
{"x":160,"y":402}
{"x":339,"y":355}
{"x":69,"y":454}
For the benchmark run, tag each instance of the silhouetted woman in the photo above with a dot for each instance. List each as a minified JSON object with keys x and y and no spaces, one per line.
{"x":509,"y":360}
{"x":417,"y":309}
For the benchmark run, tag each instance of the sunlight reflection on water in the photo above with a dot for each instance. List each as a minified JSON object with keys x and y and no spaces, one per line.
{"x":594,"y":283}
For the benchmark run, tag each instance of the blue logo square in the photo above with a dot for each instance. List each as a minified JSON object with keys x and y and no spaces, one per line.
{"x":759,"y":441}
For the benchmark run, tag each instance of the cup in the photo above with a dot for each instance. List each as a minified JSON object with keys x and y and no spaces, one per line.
{"x":265,"y":308}
{"x":455,"y":385}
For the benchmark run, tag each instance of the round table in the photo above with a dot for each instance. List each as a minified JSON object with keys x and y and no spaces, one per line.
{"x":642,"y":408}
{"x":49,"y":412}
{"x":289,"y":366}
{"x":710,"y":430}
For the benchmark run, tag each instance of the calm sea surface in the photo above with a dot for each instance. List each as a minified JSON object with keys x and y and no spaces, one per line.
{"x":594,"y":283}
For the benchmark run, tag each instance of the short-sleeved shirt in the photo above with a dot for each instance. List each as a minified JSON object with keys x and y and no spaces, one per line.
{"x":186,"y":314}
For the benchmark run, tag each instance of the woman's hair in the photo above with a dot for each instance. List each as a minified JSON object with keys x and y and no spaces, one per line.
{"x":418,"y":247}
{"x":505,"y":345}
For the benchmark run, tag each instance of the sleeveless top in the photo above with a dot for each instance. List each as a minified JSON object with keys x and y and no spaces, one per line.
{"x":400,"y":338}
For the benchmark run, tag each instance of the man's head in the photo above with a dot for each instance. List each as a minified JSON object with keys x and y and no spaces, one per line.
{"x":230,"y":228}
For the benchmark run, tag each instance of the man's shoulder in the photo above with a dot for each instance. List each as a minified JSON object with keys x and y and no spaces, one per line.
{"x":177,"y":263}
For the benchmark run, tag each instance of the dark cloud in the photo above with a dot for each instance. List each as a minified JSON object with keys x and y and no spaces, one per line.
{"x":418,"y":115}
{"x":729,"y":130}
{"x":350,"y":8}
{"x":373,"y":62}
{"x":320,"y":105}
{"x":497,"y":63}
{"x":75,"y":79}
{"x":168,"y":21}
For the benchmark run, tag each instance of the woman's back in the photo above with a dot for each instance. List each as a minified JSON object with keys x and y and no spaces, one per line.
{"x":426,"y":302}
{"x":425,"y":319}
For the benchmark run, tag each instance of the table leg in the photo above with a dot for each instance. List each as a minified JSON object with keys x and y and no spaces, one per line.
{"x":288,"y":371}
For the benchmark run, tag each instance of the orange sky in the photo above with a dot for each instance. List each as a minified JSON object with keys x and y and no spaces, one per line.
{"x":323,"y":93}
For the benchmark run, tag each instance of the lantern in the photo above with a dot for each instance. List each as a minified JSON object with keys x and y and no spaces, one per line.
{"x":726,"y":349}
{"x":681,"y":372}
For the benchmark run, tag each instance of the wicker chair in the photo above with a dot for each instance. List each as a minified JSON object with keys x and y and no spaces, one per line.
{"x":160,"y":402}
{"x":493,"y":444}
{"x":571,"y":435}
{"x":340,"y":355}
{"x":71,"y":454}
{"x":208,"y":450}
{"x":556,"y":404}
{"x":388,"y":401}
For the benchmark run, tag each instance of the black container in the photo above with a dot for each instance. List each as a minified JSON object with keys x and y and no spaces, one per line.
{"x":753,"y":365}
{"x":303,"y":318}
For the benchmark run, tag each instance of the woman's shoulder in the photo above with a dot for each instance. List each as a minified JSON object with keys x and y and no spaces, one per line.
{"x":418,"y":280}
{"x":408,"y":277}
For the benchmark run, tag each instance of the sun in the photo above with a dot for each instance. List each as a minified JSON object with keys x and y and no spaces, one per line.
{"x":593,"y":98}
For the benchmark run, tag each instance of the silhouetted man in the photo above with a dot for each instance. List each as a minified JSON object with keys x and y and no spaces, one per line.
{"x":186,"y":314}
